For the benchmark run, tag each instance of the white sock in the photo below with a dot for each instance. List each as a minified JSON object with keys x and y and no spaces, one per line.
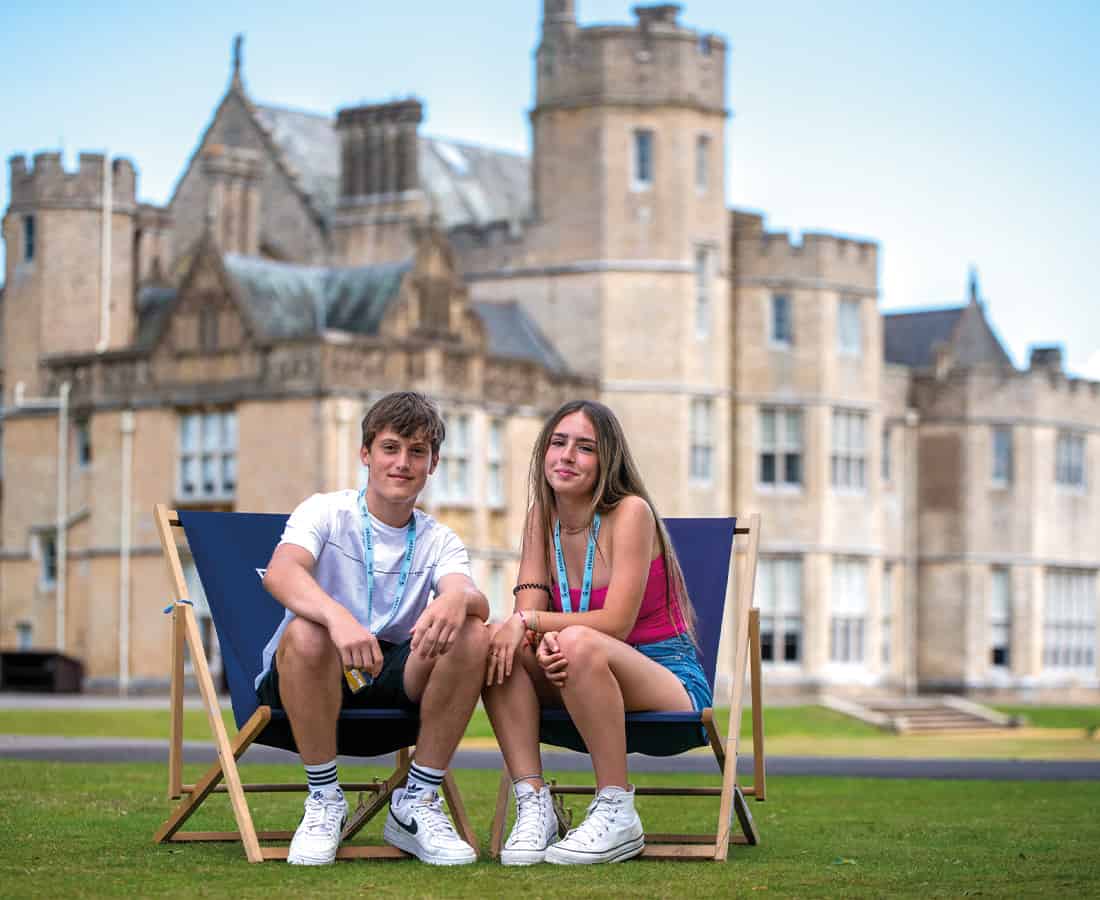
{"x":323,"y":777}
{"x":423,"y":781}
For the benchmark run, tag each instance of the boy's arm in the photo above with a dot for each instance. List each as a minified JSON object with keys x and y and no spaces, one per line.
{"x":290,"y":580}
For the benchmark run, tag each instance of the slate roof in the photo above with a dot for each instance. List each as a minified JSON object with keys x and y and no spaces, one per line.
{"x":290,"y":300}
{"x":466,"y":184}
{"x":910,"y":338}
{"x":514,"y":334}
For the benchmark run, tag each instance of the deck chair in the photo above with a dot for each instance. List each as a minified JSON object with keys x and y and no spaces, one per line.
{"x":231,"y":551}
{"x":703,"y":547}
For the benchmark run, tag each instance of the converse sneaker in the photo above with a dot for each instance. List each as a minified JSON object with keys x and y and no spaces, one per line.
{"x":318,"y":836}
{"x":420,"y":827}
{"x":611,"y":832}
{"x":535,"y":829}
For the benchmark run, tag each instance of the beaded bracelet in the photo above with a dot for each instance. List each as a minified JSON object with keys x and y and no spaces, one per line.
{"x":530,"y":584}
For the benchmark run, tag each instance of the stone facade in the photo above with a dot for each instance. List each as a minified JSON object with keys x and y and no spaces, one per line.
{"x":753,"y":372}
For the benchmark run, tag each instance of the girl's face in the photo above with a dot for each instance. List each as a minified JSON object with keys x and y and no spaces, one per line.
{"x":572,"y":461}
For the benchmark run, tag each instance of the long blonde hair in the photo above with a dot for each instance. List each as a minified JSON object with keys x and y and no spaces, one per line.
{"x":616,"y":478}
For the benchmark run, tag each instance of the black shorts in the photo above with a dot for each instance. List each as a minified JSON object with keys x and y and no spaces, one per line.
{"x":386,"y":692}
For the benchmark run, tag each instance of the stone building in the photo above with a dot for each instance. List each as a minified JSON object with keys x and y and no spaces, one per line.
{"x":926,"y":505}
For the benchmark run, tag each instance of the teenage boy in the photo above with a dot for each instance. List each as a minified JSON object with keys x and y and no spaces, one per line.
{"x":355,"y":571}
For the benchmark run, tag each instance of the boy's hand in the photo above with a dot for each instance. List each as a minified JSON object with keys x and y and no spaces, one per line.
{"x":357,"y":646}
{"x":437,"y":628}
{"x":552,"y":660}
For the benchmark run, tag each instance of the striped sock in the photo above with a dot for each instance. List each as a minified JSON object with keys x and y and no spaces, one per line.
{"x":423,"y":781}
{"x":322,"y":777}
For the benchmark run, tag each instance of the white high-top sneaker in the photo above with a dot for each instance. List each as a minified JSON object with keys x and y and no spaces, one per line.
{"x":318,"y":835}
{"x":535,"y":828}
{"x":611,"y":832}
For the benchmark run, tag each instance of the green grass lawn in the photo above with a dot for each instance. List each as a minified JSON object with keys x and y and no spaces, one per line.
{"x":84,"y":830}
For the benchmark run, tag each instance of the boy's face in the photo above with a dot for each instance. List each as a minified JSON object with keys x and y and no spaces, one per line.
{"x":399,"y":466}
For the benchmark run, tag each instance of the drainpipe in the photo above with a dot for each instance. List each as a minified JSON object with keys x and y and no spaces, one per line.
{"x":62,"y":509}
{"x":105,"y":257}
{"x":125,"y":542}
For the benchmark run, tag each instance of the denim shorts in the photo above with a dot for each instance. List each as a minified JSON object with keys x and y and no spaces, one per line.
{"x":677,"y":654}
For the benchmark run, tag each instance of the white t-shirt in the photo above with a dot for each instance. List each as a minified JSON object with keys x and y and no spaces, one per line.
{"x":330,"y":527}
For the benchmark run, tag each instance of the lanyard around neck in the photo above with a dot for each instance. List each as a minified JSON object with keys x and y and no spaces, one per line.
{"x":589,"y":562}
{"x":368,"y":554}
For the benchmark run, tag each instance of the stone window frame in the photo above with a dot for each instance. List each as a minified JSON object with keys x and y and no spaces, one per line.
{"x":46,"y":542}
{"x":848,"y":611}
{"x":779,"y":596}
{"x":1001,"y":461}
{"x":495,"y":494}
{"x":643,"y":146}
{"x":887,"y":461}
{"x":30,"y":235}
{"x":207,"y":457}
{"x":784,"y":448}
{"x":82,"y":441}
{"x":849,"y":326}
{"x":1070,"y":460}
{"x":701,"y":441}
{"x":1069,"y":620}
{"x":704,"y":307}
{"x":886,"y":615}
{"x":703,"y":144}
{"x":781,"y":327}
{"x":453,"y":481}
{"x":848,"y":456}
{"x":1000,"y":617}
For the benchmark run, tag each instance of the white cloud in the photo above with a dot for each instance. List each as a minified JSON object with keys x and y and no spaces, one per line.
{"x":1092,"y":367}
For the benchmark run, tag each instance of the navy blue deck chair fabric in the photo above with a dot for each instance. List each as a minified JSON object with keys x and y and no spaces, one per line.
{"x":703,"y":547}
{"x":231,"y":551}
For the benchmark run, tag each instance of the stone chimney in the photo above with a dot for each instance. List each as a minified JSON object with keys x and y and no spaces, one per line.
{"x":1047,"y":358}
{"x":379,"y":149}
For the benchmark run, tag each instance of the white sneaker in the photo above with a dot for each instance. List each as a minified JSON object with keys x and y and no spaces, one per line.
{"x":611,"y":832}
{"x":535,"y":829}
{"x":420,"y":827}
{"x":318,"y":836}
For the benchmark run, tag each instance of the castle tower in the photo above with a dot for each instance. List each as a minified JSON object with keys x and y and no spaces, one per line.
{"x":70,"y":252}
{"x":380,"y":194}
{"x":628,"y":134}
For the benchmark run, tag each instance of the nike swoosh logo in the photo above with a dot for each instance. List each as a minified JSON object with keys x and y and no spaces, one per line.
{"x":411,"y":827}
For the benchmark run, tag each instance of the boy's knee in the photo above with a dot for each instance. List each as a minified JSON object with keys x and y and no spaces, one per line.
{"x":305,"y":642}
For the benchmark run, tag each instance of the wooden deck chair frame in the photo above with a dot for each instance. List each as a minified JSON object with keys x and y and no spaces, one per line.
{"x":746,"y":653}
{"x":185,"y":631}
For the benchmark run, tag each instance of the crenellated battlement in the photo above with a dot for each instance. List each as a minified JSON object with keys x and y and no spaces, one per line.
{"x":820,"y":256}
{"x":654,"y":62}
{"x":47,"y":183}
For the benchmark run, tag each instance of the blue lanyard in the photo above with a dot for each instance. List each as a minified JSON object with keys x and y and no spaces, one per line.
{"x":589,"y":561}
{"x":406,"y":564}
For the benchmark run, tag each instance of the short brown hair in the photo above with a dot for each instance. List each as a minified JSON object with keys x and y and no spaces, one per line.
{"x":407,"y":413}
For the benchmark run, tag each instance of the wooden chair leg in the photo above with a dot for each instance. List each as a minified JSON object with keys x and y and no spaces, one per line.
{"x":458,"y":812}
{"x":500,"y":815}
{"x":367,"y":812}
{"x":759,"y":775}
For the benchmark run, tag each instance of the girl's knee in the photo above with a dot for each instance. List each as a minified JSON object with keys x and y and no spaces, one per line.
{"x":582,"y":646}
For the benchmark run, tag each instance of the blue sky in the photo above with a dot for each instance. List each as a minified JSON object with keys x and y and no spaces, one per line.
{"x":952,"y":133}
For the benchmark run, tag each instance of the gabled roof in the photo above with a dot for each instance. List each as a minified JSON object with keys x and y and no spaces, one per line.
{"x":466,"y":184}
{"x":514,"y":334}
{"x":910,"y":338}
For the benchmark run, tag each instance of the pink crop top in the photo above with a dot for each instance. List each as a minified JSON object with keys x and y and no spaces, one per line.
{"x":654,"y":622}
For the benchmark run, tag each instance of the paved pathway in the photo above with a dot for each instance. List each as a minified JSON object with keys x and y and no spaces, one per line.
{"x":473,"y":757}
